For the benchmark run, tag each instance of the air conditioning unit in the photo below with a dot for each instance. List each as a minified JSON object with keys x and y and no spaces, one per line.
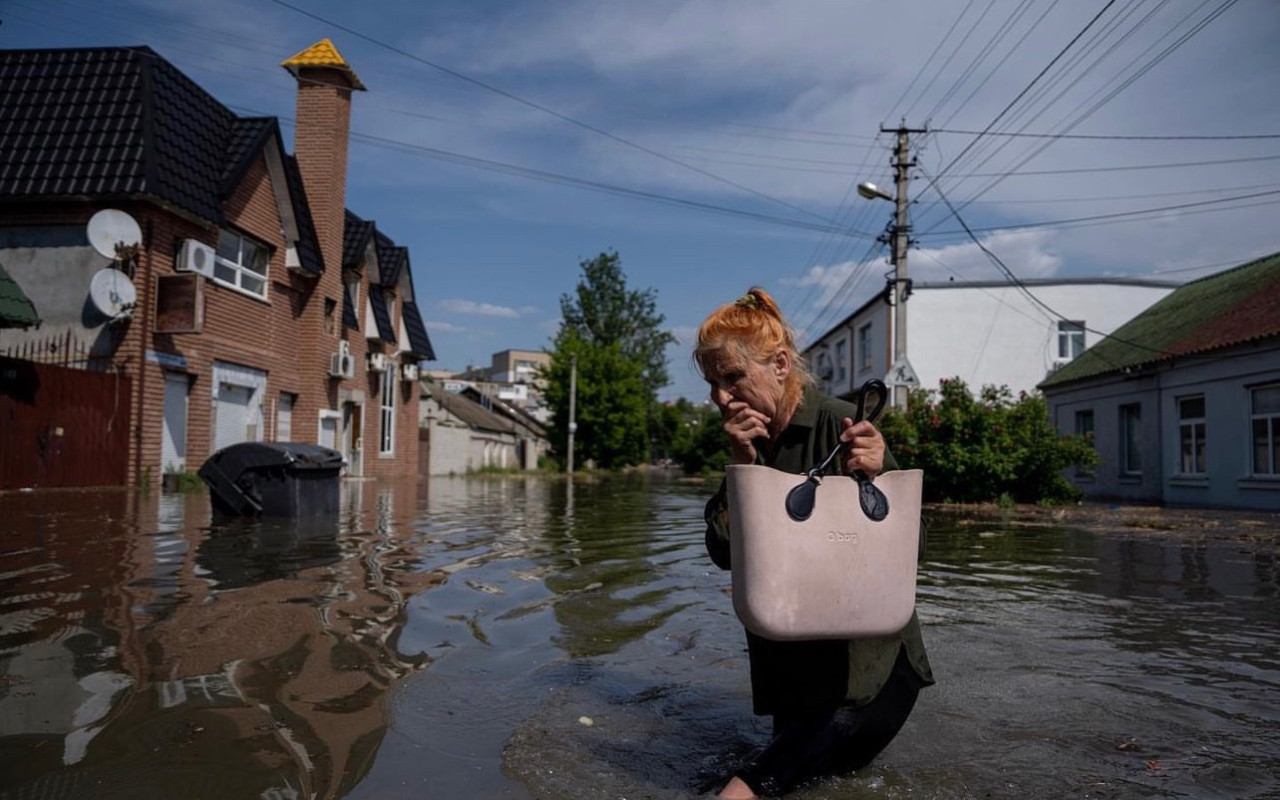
{"x":409,"y":372}
{"x":341,"y":364}
{"x":377,"y":362}
{"x":196,"y":256}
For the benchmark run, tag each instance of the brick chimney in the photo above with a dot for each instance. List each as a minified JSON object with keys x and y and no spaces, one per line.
{"x":321,"y":133}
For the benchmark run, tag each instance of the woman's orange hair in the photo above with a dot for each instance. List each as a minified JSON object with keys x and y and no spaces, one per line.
{"x":752,"y":328}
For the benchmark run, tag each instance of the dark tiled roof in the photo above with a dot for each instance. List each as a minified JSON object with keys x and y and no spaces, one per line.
{"x":111,"y":122}
{"x":73,"y":122}
{"x":16,"y":309}
{"x":381,"y":314}
{"x":309,"y":255}
{"x":122,"y":122}
{"x":248,"y":136}
{"x":393,"y":263}
{"x":391,"y":259}
{"x":419,"y":342}
{"x":355,"y":238}
{"x":1233,"y":307}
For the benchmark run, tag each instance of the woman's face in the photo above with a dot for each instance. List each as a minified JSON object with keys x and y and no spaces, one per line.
{"x":734,"y":379}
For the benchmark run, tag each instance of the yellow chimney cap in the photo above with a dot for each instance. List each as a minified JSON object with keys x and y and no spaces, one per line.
{"x":322,"y":55}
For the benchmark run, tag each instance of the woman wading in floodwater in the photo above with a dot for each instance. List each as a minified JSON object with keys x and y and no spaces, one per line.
{"x":835,"y":704}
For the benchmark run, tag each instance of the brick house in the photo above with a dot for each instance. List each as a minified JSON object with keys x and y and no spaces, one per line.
{"x":262,"y":308}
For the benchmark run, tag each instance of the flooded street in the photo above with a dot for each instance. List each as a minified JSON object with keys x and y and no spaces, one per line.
{"x":521,"y":637}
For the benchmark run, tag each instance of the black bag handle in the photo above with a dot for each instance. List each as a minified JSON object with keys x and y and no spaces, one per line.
{"x":875,"y":505}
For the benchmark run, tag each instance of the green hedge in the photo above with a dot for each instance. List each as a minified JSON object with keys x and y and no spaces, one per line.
{"x":990,"y":447}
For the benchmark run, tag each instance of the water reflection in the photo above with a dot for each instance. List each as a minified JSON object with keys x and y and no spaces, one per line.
{"x":252,"y":656}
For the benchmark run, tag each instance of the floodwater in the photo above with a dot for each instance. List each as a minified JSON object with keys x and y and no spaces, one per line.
{"x":523,"y":637}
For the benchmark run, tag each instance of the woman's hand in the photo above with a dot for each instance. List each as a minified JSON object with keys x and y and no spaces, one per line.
{"x":744,"y":425}
{"x":865,"y":453}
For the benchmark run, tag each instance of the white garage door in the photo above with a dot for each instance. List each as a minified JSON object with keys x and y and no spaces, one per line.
{"x":233,"y":416}
{"x":173,"y":446}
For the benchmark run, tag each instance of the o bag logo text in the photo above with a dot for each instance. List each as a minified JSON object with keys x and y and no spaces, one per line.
{"x":844,"y":537}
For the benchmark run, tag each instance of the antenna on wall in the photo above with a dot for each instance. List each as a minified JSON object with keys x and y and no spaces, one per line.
{"x":116,"y":235}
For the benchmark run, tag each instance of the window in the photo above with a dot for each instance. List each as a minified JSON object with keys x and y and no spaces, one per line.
{"x":1191,"y":433}
{"x":842,"y":359}
{"x":1084,"y":429}
{"x":1131,"y":439}
{"x":241,"y":264}
{"x":350,"y":299}
{"x":284,"y":417}
{"x":864,"y":345}
{"x":1265,"y":405}
{"x":1070,"y":339}
{"x":387,"y":405}
{"x":330,"y":315}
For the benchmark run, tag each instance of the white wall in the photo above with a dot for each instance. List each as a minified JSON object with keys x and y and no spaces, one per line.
{"x":983,"y":333}
{"x":997,"y":335}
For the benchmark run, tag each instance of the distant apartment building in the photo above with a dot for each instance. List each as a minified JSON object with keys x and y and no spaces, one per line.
{"x":519,"y":366}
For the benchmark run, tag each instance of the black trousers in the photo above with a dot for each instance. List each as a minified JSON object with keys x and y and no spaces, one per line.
{"x":837,"y":741}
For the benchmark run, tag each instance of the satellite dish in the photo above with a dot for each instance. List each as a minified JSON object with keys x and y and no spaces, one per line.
{"x":112,"y":293}
{"x":110,"y":227}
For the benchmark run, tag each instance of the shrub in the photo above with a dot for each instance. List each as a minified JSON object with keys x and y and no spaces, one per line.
{"x":984,"y":448}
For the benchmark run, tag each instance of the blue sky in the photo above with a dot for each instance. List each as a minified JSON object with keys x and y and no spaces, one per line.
{"x":715,"y":144}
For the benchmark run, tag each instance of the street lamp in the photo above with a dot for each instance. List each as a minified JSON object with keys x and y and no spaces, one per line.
{"x":870,"y":191}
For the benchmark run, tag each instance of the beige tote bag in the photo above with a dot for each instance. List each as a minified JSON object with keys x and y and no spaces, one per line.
{"x":838,"y":573}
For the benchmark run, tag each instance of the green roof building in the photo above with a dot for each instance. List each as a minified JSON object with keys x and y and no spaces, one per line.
{"x":1183,"y":401}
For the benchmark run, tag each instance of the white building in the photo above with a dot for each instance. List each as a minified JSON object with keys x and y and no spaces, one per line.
{"x":518,"y":366}
{"x":985,"y":333}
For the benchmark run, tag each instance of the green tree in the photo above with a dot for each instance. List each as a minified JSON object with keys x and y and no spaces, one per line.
{"x":603,"y":311}
{"x":691,"y":434}
{"x":616,"y":335}
{"x":611,"y":403}
{"x":985,"y":447}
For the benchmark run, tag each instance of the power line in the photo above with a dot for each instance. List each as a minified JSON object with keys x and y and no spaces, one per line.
{"x":1025,"y":89}
{"x":545,"y":109}
{"x":1116,"y":168}
{"x":583,"y":183}
{"x":1142,"y":70}
{"x":1113,"y":137}
{"x":1104,"y":217}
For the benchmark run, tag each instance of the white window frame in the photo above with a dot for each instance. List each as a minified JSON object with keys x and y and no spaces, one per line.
{"x":1269,"y":422}
{"x":1071,"y":341}
{"x":864,"y":344}
{"x":387,"y":413}
{"x":1191,"y":430}
{"x":285,"y":403}
{"x":842,"y":361}
{"x":243,"y":274}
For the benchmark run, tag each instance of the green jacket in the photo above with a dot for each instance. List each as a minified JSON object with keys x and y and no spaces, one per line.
{"x":795,"y":676}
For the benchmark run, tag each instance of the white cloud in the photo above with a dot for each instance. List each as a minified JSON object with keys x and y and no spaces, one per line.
{"x":478,"y":309}
{"x":1027,"y":254}
{"x":444,"y":327}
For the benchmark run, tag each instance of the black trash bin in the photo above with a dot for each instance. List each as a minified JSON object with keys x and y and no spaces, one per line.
{"x":273,"y":479}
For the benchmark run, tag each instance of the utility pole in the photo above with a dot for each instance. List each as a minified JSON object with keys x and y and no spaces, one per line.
{"x":901,"y":376}
{"x":573,"y":399}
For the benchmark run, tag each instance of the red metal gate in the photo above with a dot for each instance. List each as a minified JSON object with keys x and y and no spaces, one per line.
{"x":61,"y":426}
